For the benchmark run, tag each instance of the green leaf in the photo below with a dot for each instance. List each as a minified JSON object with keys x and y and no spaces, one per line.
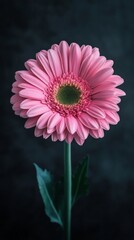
{"x":80,"y":184}
{"x":48,"y":192}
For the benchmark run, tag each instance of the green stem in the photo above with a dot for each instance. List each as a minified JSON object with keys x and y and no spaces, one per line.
{"x":67,"y":189}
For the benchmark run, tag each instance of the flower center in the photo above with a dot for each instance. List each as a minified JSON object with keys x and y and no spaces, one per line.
{"x":68,"y":94}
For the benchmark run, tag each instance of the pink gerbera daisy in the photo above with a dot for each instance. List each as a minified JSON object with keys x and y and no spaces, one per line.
{"x":69,"y":92}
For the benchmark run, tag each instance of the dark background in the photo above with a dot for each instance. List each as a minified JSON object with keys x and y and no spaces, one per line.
{"x":108,"y":212}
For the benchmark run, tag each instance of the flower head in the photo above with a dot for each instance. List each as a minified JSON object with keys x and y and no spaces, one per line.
{"x":69,"y":92}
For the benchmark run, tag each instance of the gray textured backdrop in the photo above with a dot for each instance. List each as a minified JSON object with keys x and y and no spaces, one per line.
{"x":108,"y":212}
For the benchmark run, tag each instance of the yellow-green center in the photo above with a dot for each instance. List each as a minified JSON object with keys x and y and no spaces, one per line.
{"x":68,"y":95}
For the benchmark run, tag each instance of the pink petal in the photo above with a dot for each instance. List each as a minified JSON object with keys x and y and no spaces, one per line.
{"x":71,"y":124}
{"x":69,"y":138}
{"x":15,"y":98}
{"x":104,"y":94}
{"x":62,"y":136}
{"x":18,"y":77}
{"x":54,"y":137}
{"x":15,"y":84}
{"x":26,"y":85}
{"x":31,"y":122}
{"x":101,"y":133}
{"x":40,"y":75}
{"x":55,"y":47}
{"x":42,"y":121}
{"x":101,"y":76}
{"x":17,"y":112}
{"x":103,"y":87}
{"x":45,"y":134}
{"x":115,"y":100}
{"x":116,"y":80}
{"x":86,"y":51}
{"x":97,"y":65}
{"x":34,"y":80}
{"x":16,"y":106}
{"x":54,"y":62}
{"x":60,"y":127}
{"x":37,"y":110}
{"x":15,"y":90}
{"x":28,"y":103}
{"x":32,"y":94}
{"x":38,"y":132}
{"x":87,"y":64}
{"x":106,"y":104}
{"x":94,"y":133}
{"x":93,"y":59}
{"x":96,"y":51}
{"x":42,"y":59}
{"x":96,"y":111}
{"x":88,"y":121}
{"x":79,"y":140}
{"x":82,"y":131}
{"x":104,"y":124}
{"x":108,"y":64}
{"x":82,"y":47}
{"x":112,"y":117}
{"x":50,"y":130}
{"x":31,"y":63}
{"x":64,"y":49}
{"x":44,"y":52}
{"x":53,"y":120}
{"x":119,"y":92}
{"x":23,"y":113}
{"x":74,"y":58}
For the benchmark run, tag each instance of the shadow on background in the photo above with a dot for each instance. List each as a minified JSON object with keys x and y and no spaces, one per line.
{"x":108,"y":212}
